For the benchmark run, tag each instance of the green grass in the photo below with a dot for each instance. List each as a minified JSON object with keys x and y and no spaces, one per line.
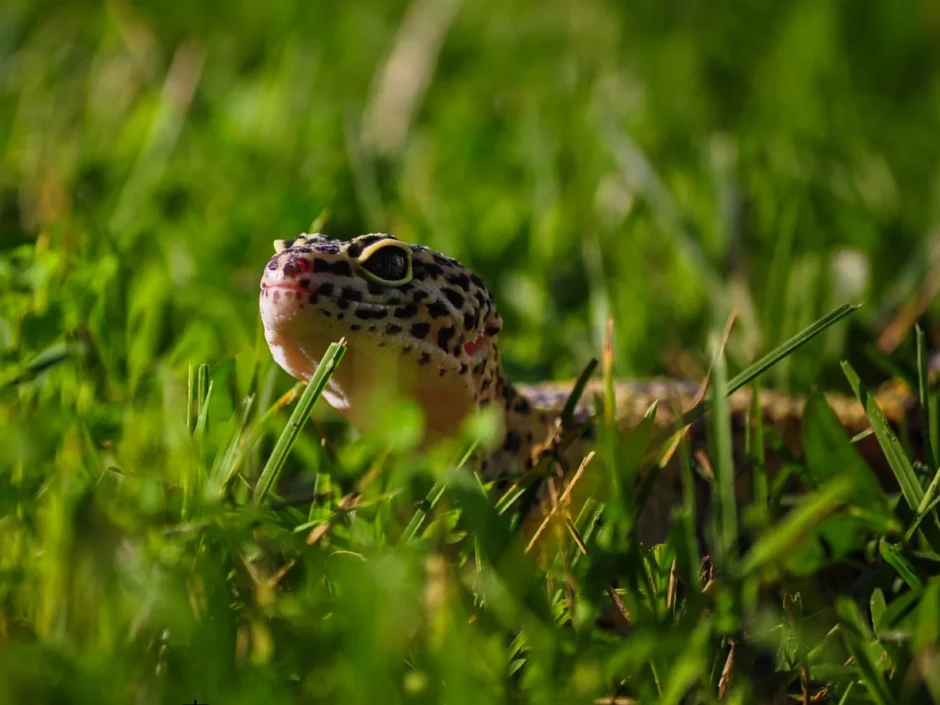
{"x":659,"y":164}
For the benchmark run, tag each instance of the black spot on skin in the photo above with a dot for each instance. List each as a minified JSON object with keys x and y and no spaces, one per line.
{"x":392,"y":329}
{"x":424,"y":359}
{"x":372,"y":329}
{"x":291,"y":269}
{"x":355,"y":249}
{"x":328,"y":313}
{"x":340,"y":316}
{"x":522,"y":406}
{"x":417,"y":271}
{"x":367,"y":240}
{"x":476,"y":280}
{"x":375,"y":288}
{"x":393,"y":301}
{"x":342,"y":303}
{"x":326,"y":288}
{"x":461,"y":280}
{"x":511,"y":442}
{"x":469,"y":322}
{"x":289,"y":243}
{"x":437,"y":309}
{"x":481,"y":301}
{"x":492,"y":330}
{"x":440,"y":259}
{"x":407,"y":349}
{"x":305,"y":283}
{"x":479,"y":368}
{"x":340,"y":267}
{"x":419,"y":295}
{"x":433,"y":270}
{"x":366,"y":314}
{"x":442,"y":372}
{"x":486,"y":384}
{"x":455,"y":298}
{"x":351,"y":294}
{"x":354,"y":326}
{"x":419,"y":330}
{"x":406,"y":311}
{"x":443,"y":337}
{"x":463,"y":369}
{"x":313,"y":298}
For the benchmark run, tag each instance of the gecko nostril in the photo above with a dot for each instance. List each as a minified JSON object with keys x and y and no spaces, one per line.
{"x":296,"y":266}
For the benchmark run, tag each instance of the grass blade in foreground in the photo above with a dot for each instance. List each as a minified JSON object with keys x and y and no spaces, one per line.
{"x":762,"y":365}
{"x":794,"y":343}
{"x":926,"y":399}
{"x":857,"y":642}
{"x":897,"y":459}
{"x":298,"y":418}
{"x":724,"y":464}
{"x":800,"y":522}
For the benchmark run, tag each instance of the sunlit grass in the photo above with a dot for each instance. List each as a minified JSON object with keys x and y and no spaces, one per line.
{"x":177,"y":524}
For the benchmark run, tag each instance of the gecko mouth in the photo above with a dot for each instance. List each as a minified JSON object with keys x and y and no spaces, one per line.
{"x":286,"y":287}
{"x":287,"y":299}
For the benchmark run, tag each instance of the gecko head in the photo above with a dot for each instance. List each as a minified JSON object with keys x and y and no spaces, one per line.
{"x":417,"y":324}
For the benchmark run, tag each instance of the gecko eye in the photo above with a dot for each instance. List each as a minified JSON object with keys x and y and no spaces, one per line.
{"x":387,"y":262}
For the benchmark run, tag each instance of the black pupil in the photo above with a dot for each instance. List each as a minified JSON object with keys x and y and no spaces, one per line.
{"x":388,"y":263}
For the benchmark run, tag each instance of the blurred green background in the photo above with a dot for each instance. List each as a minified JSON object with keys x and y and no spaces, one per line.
{"x":659,"y":162}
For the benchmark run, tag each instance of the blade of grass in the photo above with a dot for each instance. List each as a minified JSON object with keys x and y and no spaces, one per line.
{"x":897,"y":560}
{"x":298,"y":418}
{"x":190,"y":399}
{"x":762,"y":365}
{"x":436,"y":492}
{"x":777,"y":542}
{"x":930,"y":450}
{"x":854,"y":635}
{"x":255,"y":433}
{"x":202,"y":393}
{"x":897,"y":459}
{"x":790,"y":346}
{"x":934,"y":504}
{"x":567,"y":413}
{"x":725,"y":496}
{"x":224,"y":458}
{"x":758,"y":453}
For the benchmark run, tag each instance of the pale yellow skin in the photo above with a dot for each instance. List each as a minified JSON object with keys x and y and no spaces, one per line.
{"x":430,"y":335}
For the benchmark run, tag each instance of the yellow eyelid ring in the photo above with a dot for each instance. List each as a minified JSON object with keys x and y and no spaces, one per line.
{"x":375,"y":247}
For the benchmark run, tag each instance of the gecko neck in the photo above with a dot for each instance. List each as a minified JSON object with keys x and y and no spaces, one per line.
{"x":528,"y":421}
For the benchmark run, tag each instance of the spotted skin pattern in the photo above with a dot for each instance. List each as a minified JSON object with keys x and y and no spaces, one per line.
{"x":432,"y":336}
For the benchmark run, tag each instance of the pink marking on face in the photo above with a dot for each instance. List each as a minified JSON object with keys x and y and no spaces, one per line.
{"x":473,"y":346}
